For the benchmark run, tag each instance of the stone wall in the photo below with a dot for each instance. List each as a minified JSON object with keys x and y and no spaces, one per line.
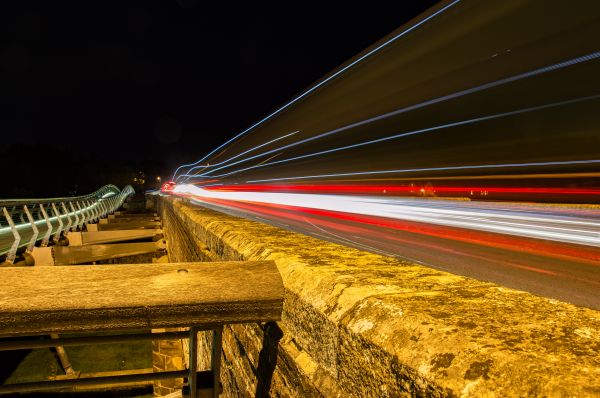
{"x":167,"y":355}
{"x":357,"y":324}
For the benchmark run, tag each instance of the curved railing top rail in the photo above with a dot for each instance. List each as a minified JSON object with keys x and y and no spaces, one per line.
{"x":104,"y":192}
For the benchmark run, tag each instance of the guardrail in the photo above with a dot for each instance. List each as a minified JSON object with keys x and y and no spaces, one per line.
{"x":23,"y":222}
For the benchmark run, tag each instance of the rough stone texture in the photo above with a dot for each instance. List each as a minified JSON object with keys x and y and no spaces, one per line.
{"x":137,"y":296}
{"x":167,"y":355}
{"x":180,"y":243}
{"x":137,"y":259}
{"x":114,"y":226}
{"x":363,"y":325}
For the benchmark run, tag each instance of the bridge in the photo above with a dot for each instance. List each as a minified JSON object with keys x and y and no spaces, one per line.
{"x":422,"y":221}
{"x":27,"y":221}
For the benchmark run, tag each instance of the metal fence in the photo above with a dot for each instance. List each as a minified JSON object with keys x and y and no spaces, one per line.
{"x":198,"y":384}
{"x":23,"y":222}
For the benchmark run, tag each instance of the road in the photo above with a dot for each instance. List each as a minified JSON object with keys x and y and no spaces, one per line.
{"x":548,"y":250}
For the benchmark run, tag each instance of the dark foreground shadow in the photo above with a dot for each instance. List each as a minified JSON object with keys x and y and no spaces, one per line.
{"x":116,"y":393}
{"x":10,"y":361}
{"x":267,"y":359}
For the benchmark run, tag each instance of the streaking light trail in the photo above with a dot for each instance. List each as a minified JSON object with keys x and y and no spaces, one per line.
{"x":392,"y":137}
{"x":501,"y":108}
{"x":511,"y":79}
{"x":447,"y":213}
{"x":324,"y":81}
{"x":245,"y":152}
{"x":481,"y":166}
{"x":468,"y":141}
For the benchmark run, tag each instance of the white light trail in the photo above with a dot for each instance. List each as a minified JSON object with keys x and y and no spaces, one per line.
{"x":468,"y":215}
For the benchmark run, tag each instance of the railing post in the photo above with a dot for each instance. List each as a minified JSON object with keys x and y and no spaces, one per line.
{"x":60,"y":223}
{"x":96,"y":209}
{"x":62,"y":356}
{"x":88,"y":209}
{"x":34,"y":227}
{"x":81,"y":210}
{"x":20,"y":215}
{"x":69,"y":222}
{"x":193,"y":375}
{"x":46,"y":238}
{"x":76,"y":224}
{"x":91,"y":212}
{"x":103,"y":208}
{"x":12,"y":253}
{"x":215,"y":359}
{"x":217,"y":347}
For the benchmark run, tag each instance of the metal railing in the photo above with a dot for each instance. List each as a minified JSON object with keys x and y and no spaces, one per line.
{"x":198,"y":383}
{"x":23,"y":222}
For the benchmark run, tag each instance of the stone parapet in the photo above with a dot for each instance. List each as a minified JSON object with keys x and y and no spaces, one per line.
{"x":363,"y":325}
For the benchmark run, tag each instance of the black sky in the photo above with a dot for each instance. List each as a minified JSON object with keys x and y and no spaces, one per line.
{"x":93,"y":91}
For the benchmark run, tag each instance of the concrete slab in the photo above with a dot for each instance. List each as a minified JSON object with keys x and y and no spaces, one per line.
{"x":76,"y":238}
{"x":92,"y":227}
{"x":131,"y":215}
{"x":61,"y":299}
{"x":128,"y":225}
{"x":43,"y":256}
{"x":65,"y":255}
{"x":124,"y":219}
{"x":98,"y":237}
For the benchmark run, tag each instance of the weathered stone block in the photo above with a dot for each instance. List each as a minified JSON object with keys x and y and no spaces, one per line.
{"x":356,"y":324}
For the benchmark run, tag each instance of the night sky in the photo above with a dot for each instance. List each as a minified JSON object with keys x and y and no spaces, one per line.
{"x":92,"y":92}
